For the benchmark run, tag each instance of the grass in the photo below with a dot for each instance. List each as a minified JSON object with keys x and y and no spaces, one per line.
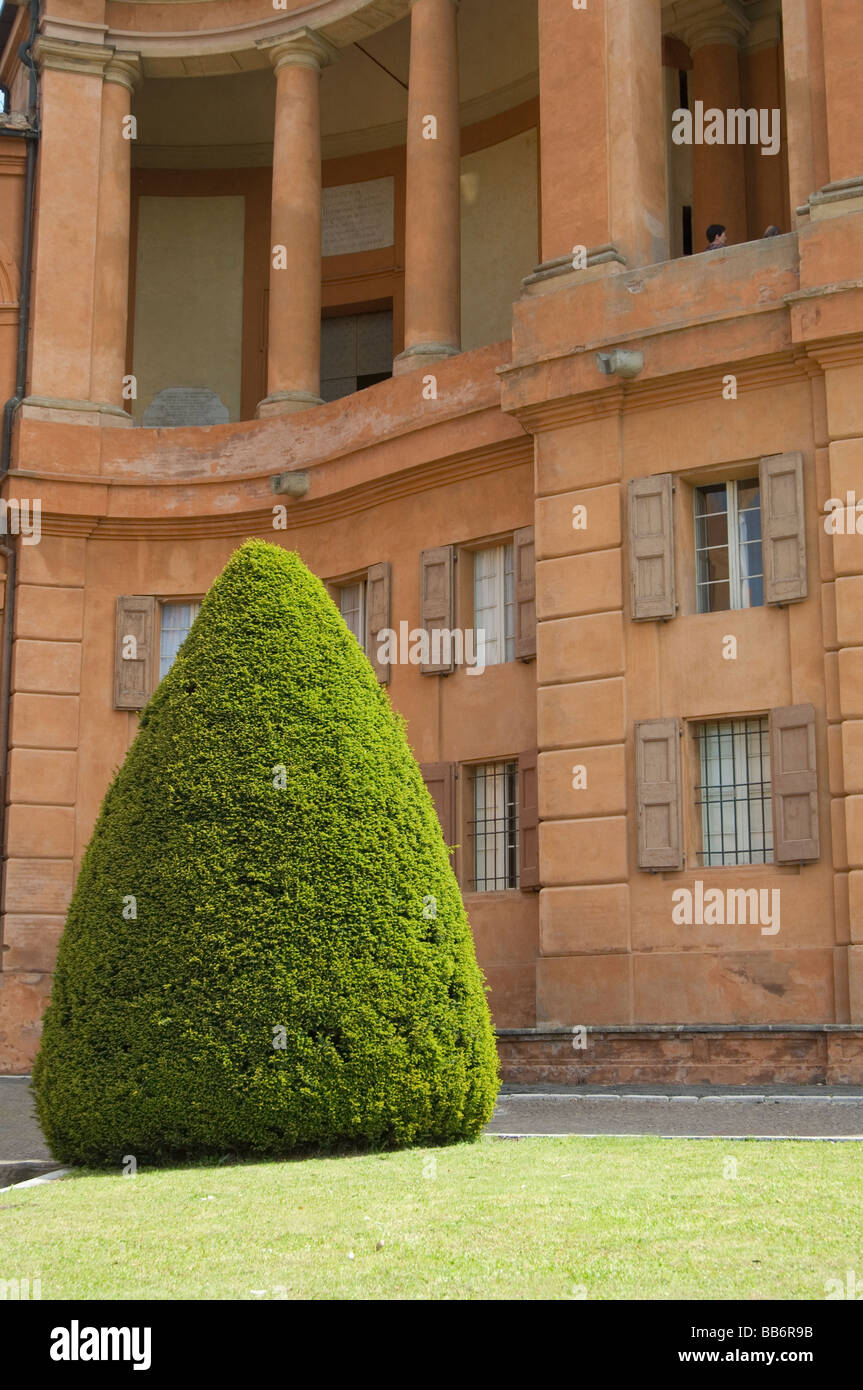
{"x":610,"y":1218}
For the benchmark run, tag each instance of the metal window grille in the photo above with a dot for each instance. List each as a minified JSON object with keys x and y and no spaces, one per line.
{"x":175,"y":625}
{"x":728,"y":558}
{"x":494,"y":601}
{"x":352,"y":606}
{"x":734,"y":792}
{"x":494,"y":827}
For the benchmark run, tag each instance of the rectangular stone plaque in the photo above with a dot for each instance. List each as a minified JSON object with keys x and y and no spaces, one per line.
{"x":185,"y":405}
{"x":358,"y":217}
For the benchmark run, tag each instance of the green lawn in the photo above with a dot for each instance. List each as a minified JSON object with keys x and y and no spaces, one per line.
{"x":539,"y":1218}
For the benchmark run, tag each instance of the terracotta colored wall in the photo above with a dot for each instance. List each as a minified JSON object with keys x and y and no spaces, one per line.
{"x":520,"y":433}
{"x":762,"y":88}
{"x":464,"y":473}
{"x":610,"y":952}
{"x":12,"y":165}
{"x":497,"y":253}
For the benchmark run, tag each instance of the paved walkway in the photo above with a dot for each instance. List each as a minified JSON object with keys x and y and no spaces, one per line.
{"x":767,"y":1112}
{"x":803,"y":1112}
{"x":20,"y":1135}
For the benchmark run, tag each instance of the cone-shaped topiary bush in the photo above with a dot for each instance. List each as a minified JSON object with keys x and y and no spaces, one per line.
{"x":266,"y":949}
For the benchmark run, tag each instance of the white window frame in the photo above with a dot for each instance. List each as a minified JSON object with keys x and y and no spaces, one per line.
{"x":500,"y":635}
{"x":732,"y":514}
{"x":361,"y":583}
{"x":194,"y":605}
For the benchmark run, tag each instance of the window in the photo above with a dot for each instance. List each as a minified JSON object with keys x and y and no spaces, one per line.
{"x":493,"y":827}
{"x":735,"y":793}
{"x":494,"y":602}
{"x":729,"y":568}
{"x":175,"y":624}
{"x":356,"y":352}
{"x":352,"y":606}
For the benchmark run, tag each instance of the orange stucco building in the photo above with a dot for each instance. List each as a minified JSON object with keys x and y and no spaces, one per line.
{"x":421,"y":290}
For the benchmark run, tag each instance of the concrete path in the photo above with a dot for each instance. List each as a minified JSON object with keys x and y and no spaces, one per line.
{"x":20,"y":1135}
{"x":770,"y":1112}
{"x":767,"y":1112}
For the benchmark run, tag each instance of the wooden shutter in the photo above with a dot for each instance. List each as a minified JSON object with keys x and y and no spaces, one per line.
{"x":524,"y":563}
{"x":794,"y":784}
{"x":658,"y":794}
{"x":783,"y":529}
{"x":528,"y":821}
{"x":440,"y":780}
{"x":134,"y":676}
{"x":377,"y":616}
{"x":436,"y":602}
{"x":651,"y":547}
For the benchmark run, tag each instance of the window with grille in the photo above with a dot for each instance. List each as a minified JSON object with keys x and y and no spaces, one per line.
{"x":175,"y":624}
{"x":352,"y":606}
{"x":734,"y":792}
{"x":494,"y":602}
{"x":729,"y":568}
{"x":494,"y":827}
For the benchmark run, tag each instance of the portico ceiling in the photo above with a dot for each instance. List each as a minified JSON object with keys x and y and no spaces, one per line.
{"x":228,"y":119}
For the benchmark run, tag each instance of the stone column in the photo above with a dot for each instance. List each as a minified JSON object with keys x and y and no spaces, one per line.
{"x":67,"y":261}
{"x":432,"y":218}
{"x":294,"y":349}
{"x":112,"y":237}
{"x":603,"y":172}
{"x":719,"y":171}
{"x":843,"y":58}
{"x":805,"y":102}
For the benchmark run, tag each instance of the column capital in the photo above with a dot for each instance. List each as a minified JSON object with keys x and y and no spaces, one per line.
{"x":124,"y":69}
{"x":305,"y":48}
{"x":703,"y":22}
{"x":65,"y":55}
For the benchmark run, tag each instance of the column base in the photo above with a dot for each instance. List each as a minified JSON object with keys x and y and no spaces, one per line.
{"x":62,"y":411}
{"x":286,"y":403}
{"x":834,"y":200}
{"x":413,"y":359}
{"x":608,"y":255}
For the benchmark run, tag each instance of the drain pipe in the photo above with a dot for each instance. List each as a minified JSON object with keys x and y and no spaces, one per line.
{"x":31,"y":135}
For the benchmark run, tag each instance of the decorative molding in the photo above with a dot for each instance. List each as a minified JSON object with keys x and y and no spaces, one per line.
{"x":303,"y":49}
{"x":125,"y":70}
{"x":562,"y":265}
{"x":834,"y":200}
{"x":238,"y":47}
{"x":776,"y":369}
{"x":286,"y":403}
{"x":420,"y":355}
{"x":703,"y":22}
{"x":485,"y":459}
{"x":66,"y":55}
{"x":61,"y":410}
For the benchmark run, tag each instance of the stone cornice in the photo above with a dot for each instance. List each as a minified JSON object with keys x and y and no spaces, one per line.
{"x":67,"y":55}
{"x":516,"y":452}
{"x":775,"y":369}
{"x":237,"y":48}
